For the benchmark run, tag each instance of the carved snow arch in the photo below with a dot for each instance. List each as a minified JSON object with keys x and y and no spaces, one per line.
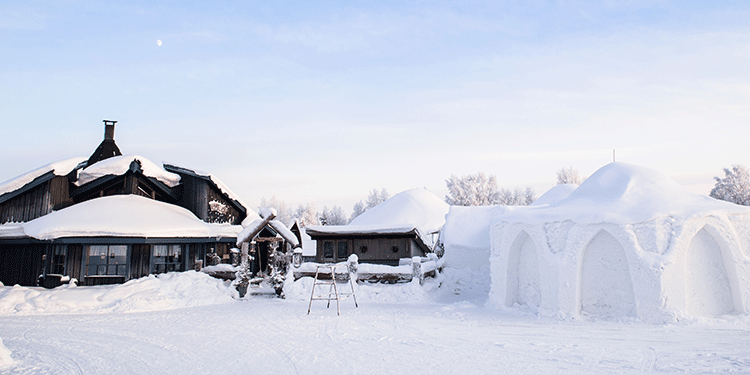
{"x":606,"y":282}
{"x":523,"y":272}
{"x":707,"y":282}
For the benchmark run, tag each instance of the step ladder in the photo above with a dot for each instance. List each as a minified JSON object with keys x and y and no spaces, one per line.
{"x":333,"y":288}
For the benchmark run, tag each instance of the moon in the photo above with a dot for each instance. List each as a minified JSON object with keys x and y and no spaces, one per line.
{"x":158,"y":42}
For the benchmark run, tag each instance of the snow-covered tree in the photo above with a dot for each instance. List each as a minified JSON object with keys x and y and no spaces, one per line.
{"x":306,"y":215}
{"x":359,"y":208}
{"x":283,"y":214}
{"x":334,"y":216}
{"x":568,"y":176}
{"x":517,"y":197}
{"x":472,"y":190}
{"x":377,"y":197}
{"x":734,"y":187}
{"x":218,"y":212}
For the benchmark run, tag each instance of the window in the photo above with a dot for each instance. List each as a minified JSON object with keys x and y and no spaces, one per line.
{"x":343,"y":250}
{"x":328,"y":250}
{"x":167,"y":258}
{"x":107,"y":260}
{"x":57,"y":266}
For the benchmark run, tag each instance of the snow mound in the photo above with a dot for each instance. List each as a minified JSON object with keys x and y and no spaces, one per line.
{"x":556,"y":193}
{"x":621,"y":193}
{"x":151,"y":293}
{"x":416,"y":208}
{"x":6,"y":360}
{"x":60,"y":168}
{"x":410,"y":292}
{"x":466,"y":242}
{"x":124,"y":216}
{"x":119,"y":165}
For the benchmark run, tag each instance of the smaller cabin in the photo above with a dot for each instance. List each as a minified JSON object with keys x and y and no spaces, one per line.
{"x":374,"y":245}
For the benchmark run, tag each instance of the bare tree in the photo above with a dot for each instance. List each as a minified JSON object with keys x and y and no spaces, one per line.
{"x":568,"y":176}
{"x":734,"y":187}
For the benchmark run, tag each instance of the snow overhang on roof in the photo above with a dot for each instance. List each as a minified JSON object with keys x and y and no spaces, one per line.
{"x":359,"y":230}
{"x":119,"y":165}
{"x":120,"y":216}
{"x":31,"y":179}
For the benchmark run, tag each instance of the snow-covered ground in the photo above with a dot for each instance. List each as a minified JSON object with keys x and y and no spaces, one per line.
{"x":404,"y":328}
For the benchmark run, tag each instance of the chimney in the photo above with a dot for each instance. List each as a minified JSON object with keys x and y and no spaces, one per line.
{"x":109,"y":130}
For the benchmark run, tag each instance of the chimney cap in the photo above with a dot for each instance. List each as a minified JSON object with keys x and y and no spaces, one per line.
{"x":109,"y":122}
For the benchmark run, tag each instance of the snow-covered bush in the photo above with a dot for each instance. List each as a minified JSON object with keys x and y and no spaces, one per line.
{"x":568,"y":176}
{"x":734,"y":187}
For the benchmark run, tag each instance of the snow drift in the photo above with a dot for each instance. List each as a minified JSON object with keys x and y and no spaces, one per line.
{"x":628,"y":241}
{"x":150,"y":293}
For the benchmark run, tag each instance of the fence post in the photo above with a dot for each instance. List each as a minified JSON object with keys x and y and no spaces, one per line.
{"x":416,"y":269}
{"x":353,"y":265}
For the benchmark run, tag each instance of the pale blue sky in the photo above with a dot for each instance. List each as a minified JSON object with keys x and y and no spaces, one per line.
{"x":322,"y":101}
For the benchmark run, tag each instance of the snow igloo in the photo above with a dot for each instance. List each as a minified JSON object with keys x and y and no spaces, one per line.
{"x":628,"y":242}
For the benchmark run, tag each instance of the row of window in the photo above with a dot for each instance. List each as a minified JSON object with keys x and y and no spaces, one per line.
{"x":112,"y":259}
{"x":341,"y":249}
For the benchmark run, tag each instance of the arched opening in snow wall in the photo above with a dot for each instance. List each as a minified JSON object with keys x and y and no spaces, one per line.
{"x":707,"y":283}
{"x":606,"y":283}
{"x":523,"y":272}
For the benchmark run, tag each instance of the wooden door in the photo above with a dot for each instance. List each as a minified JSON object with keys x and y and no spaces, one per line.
{"x":140,"y":261}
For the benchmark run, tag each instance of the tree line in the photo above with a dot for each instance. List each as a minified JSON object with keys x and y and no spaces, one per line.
{"x":479,"y":190}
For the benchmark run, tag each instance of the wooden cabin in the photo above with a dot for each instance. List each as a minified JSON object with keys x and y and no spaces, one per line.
{"x":371,"y":244}
{"x":207,"y":215}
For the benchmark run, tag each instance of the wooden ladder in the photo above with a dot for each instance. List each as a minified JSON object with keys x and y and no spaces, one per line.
{"x":333,"y":290}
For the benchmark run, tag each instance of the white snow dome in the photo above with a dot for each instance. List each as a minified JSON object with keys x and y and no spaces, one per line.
{"x":555,"y":194}
{"x":628,"y":242}
{"x":417,"y":208}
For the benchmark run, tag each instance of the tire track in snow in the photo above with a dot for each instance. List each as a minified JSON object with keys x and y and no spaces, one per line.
{"x":648,"y":361}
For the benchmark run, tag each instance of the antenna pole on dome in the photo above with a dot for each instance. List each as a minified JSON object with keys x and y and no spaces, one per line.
{"x":613,"y":155}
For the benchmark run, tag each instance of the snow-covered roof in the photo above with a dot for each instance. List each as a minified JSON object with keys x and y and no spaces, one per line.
{"x":327,"y":230}
{"x":60,"y":168}
{"x":120,"y":216}
{"x":257,"y":225}
{"x":414,"y":209}
{"x":621,"y":193}
{"x":555,"y":194}
{"x":118,"y":165}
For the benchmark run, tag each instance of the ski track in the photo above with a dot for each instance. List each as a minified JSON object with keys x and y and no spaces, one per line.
{"x":274,"y":336}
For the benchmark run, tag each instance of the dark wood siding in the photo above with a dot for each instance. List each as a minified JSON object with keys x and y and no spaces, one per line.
{"x":37,"y":201}
{"x":21,"y":264}
{"x":197,"y":193}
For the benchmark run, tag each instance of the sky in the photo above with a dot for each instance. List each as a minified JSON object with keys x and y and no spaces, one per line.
{"x":321,"y":102}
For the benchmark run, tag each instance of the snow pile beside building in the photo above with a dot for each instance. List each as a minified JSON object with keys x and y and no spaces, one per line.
{"x":150,"y":293}
{"x":122,"y":216}
{"x":465,"y":240}
{"x":628,"y":242}
{"x":410,"y":292}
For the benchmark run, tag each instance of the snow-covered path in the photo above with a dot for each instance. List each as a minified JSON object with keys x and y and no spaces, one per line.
{"x":263,"y":335}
